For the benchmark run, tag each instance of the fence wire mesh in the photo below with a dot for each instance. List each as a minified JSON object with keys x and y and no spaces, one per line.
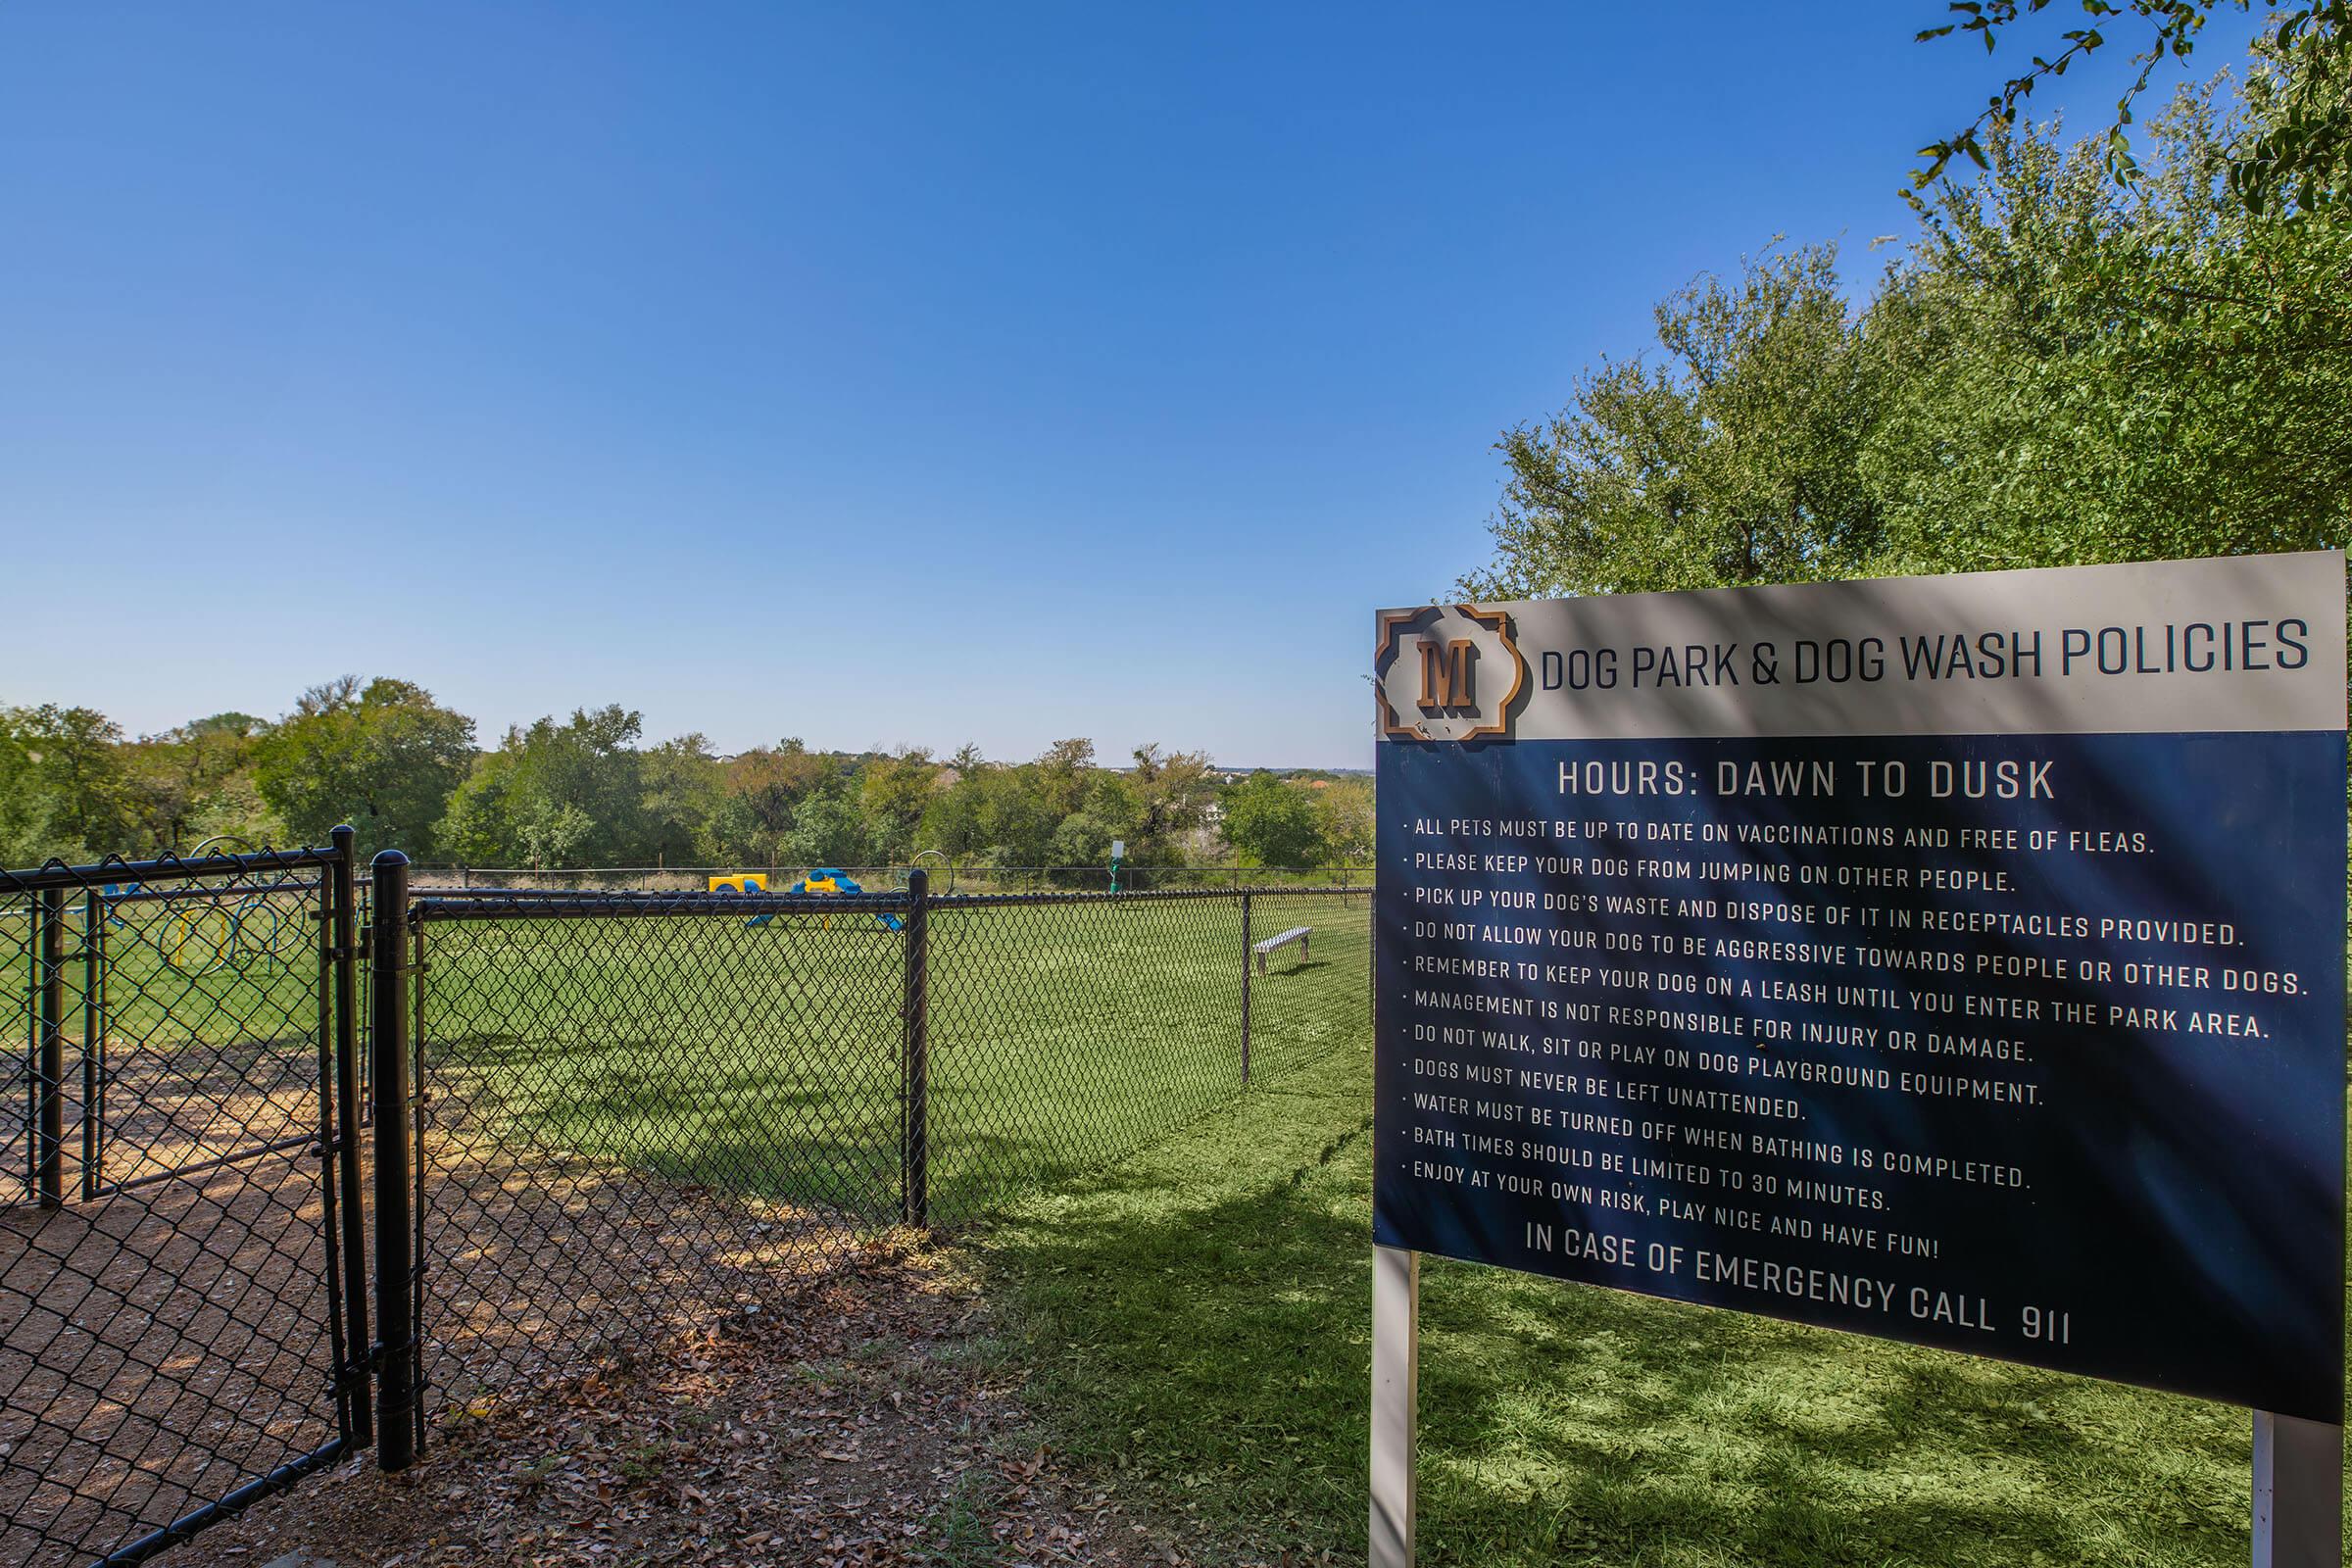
{"x":1069,"y":1030}
{"x":169,"y":1307}
{"x":639,"y":1110}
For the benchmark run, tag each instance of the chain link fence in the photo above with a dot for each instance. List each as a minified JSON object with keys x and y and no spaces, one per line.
{"x":582,"y":1119}
{"x":174,"y":1238}
{"x":637,"y":1110}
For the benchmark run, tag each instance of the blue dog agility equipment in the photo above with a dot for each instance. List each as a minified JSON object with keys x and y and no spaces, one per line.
{"x":822,"y":882}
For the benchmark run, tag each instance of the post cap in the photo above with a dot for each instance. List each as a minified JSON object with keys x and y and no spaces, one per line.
{"x":385,"y":858}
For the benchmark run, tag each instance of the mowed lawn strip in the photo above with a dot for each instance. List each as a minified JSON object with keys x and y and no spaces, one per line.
{"x":1197,"y":1317}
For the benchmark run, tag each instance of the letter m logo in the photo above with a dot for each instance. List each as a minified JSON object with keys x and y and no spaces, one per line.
{"x":1447,"y":672}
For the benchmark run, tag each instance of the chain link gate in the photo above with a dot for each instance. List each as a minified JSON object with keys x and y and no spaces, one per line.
{"x":178,"y":1240}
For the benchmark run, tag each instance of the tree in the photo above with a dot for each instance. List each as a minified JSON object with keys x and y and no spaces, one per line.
{"x":569,"y":794}
{"x":893,"y":794}
{"x":1082,"y":840}
{"x":827,"y":830}
{"x":63,"y":790}
{"x":2061,"y":368}
{"x":69,"y":793}
{"x":195,"y":783}
{"x":1171,"y":792}
{"x":1732,"y":462}
{"x":2301,"y":156}
{"x":24,"y":803}
{"x":684,"y":799}
{"x":1061,"y":775}
{"x":763,"y":787}
{"x":1344,"y":810}
{"x":2101,"y":373}
{"x":383,"y":756}
{"x":1270,"y":822}
{"x":953,"y":822}
{"x":1016,"y":820}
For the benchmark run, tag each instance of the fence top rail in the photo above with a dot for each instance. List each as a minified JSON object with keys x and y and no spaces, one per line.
{"x":961,"y":869}
{"x":532,"y":904}
{"x":556,"y":904}
{"x":1279,"y":890}
{"x":202,"y":892}
{"x":114,"y":869}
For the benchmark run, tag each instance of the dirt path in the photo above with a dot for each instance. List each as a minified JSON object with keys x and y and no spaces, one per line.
{"x":862,"y":1418}
{"x":161,"y":1346}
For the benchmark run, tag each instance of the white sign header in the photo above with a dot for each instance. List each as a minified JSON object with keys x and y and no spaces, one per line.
{"x":2238,"y":642}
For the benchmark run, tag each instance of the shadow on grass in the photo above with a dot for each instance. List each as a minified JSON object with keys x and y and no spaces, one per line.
{"x":1215,"y":1345}
{"x":822,"y":1130}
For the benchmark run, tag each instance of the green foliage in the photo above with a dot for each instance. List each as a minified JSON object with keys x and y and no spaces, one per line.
{"x":828,"y":829}
{"x":1734,"y":461}
{"x":1083,"y":840}
{"x":2298,"y":158}
{"x":1016,"y":817}
{"x":762,"y":788}
{"x":1061,"y":775}
{"x":568,"y":794}
{"x":894,"y":793}
{"x":953,"y":820}
{"x":63,"y":787}
{"x":2061,"y":368}
{"x":1171,"y":793}
{"x":581,"y":792}
{"x":1271,"y":822}
{"x":684,"y":791}
{"x":1345,"y":814}
{"x":196,"y":783}
{"x":383,"y":756}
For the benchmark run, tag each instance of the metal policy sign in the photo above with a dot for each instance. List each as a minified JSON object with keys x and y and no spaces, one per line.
{"x":1958,"y":960}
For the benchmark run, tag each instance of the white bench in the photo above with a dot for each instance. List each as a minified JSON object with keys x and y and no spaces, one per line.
{"x":1297,"y":933}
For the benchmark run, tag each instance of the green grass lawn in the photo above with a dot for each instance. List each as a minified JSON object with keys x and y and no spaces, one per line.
{"x":1198,"y":1318}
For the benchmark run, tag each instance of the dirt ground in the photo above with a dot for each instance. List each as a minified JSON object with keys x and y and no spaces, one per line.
{"x":864,"y":1417}
{"x":163,"y":1344}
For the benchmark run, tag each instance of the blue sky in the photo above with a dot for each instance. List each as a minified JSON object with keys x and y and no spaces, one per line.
{"x":879,"y":374}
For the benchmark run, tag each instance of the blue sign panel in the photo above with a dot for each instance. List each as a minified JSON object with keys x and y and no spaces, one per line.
{"x":2027,"y":1043}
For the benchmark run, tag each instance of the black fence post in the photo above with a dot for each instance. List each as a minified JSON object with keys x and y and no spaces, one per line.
{"x":1244,"y":988}
{"x":343,"y":942}
{"x":49,"y":1155}
{"x":395,"y":1350}
{"x":93,"y":1041}
{"x":914,"y":1154}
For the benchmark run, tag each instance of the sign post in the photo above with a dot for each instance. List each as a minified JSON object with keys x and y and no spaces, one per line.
{"x":1396,"y":1401}
{"x":1956,"y":960}
{"x":2298,"y":1492}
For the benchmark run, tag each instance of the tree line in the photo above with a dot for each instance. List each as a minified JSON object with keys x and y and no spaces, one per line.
{"x":586,"y":791}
